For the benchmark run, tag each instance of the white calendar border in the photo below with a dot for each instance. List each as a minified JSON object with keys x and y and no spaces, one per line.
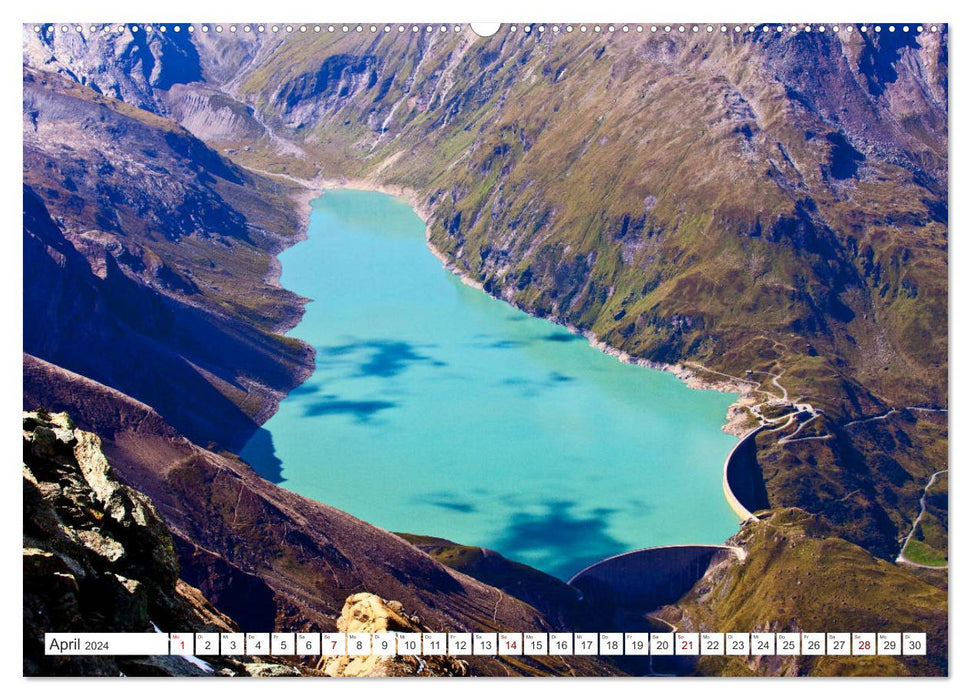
{"x":509,"y":11}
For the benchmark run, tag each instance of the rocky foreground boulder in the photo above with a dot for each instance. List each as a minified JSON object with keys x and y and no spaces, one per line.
{"x":366,"y":612}
{"x":98,"y":558}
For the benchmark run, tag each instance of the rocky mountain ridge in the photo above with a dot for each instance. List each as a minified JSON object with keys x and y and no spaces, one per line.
{"x":98,"y":558}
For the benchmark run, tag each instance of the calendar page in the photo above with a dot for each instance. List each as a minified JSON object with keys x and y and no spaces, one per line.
{"x":446,"y":349}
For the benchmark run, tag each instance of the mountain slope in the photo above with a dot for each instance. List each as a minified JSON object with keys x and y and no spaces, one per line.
{"x":271,"y":559}
{"x":149,"y":260}
{"x":683,"y":199}
{"x":799,"y":577}
{"x":742,"y":194}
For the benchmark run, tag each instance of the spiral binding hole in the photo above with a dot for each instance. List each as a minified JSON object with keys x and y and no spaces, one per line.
{"x":512,"y":28}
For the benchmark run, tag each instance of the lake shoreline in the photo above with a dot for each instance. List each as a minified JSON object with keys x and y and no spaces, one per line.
{"x":736,"y":418}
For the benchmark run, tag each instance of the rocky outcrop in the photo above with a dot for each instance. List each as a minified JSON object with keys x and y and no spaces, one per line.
{"x":97,"y":557}
{"x":366,"y":612}
{"x":141,"y":62}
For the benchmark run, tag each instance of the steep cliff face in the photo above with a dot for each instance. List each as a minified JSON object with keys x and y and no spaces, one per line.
{"x":141,"y":62}
{"x":98,"y":558}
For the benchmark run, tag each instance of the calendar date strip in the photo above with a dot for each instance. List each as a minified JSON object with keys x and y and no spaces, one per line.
{"x":488,"y":644}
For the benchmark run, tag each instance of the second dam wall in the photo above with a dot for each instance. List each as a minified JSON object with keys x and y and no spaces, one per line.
{"x":649,"y":578}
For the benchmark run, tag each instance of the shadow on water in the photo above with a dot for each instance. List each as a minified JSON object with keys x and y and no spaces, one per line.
{"x":305,"y":389}
{"x":260,"y":454}
{"x":562,"y":337}
{"x":363,"y":411}
{"x":564,"y":541}
{"x":531,"y":387}
{"x":491,"y":342}
{"x":455,"y":506}
{"x":383,"y":358}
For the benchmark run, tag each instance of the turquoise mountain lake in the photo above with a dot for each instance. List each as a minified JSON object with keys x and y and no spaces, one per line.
{"x":436,"y":409}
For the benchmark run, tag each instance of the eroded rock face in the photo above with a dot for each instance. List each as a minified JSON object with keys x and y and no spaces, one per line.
{"x":366,"y":612}
{"x":95,"y":535}
{"x":97,"y":557}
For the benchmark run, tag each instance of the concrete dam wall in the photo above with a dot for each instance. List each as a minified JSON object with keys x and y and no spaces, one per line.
{"x":742,"y":479}
{"x":649,"y":578}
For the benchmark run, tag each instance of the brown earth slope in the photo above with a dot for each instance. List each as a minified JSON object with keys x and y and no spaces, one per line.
{"x":148,"y":263}
{"x":271,"y":559}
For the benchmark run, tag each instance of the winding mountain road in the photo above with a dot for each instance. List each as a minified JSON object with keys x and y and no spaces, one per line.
{"x":901,"y":559}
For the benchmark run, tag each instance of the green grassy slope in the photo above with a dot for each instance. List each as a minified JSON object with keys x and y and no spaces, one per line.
{"x":799,"y":577}
{"x":672,"y":196}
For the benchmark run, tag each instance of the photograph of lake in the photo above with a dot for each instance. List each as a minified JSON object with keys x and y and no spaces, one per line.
{"x":513,"y":349}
